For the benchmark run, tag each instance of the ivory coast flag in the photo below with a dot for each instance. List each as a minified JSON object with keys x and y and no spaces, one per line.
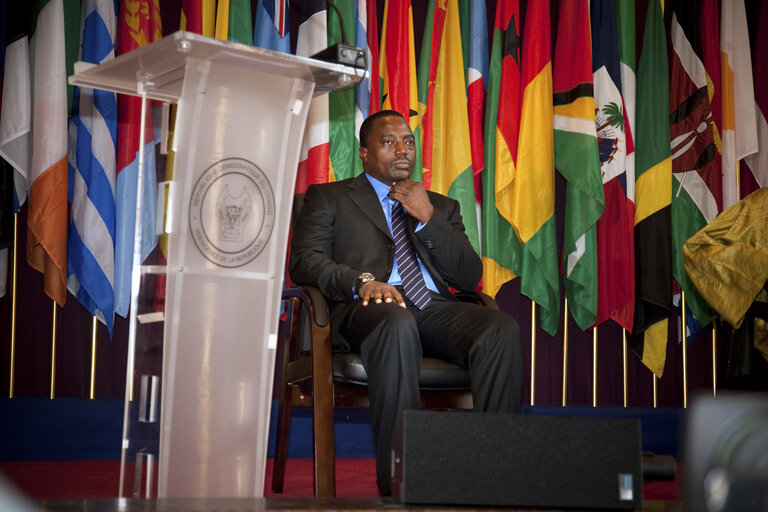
{"x":446,"y":150}
{"x":47,"y":214}
{"x":501,"y":248}
{"x":397,"y":69}
{"x":577,"y":158}
{"x":531,"y":209}
{"x":653,"y":197}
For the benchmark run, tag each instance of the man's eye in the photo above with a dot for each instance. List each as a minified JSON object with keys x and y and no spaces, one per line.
{"x":387,"y":142}
{"x":410,"y":143}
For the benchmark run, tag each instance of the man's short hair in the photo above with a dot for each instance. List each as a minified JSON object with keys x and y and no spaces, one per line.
{"x":365,"y":128}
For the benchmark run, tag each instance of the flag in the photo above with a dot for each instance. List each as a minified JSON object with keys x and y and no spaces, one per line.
{"x":47,"y":210}
{"x":615,"y":240}
{"x":372,"y":82}
{"x":16,"y":109}
{"x":138,"y":24}
{"x":343,"y":144}
{"x":501,"y":248}
{"x":577,"y":158}
{"x":367,"y":100}
{"x":477,"y":85}
{"x":693,"y":152}
{"x":271,"y":29}
{"x":198,"y":16}
{"x":91,"y":240}
{"x":709,"y":27}
{"x":739,"y":131}
{"x":446,"y":150}
{"x":314,"y":156}
{"x":531,"y":209}
{"x":758,"y":163}
{"x":397,"y":69}
{"x":233,"y":21}
{"x":653,"y":197}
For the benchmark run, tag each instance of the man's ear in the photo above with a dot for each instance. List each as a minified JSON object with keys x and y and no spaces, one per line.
{"x":363,"y":152}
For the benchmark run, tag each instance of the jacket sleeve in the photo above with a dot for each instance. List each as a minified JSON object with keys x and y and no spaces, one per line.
{"x":311,"y":259}
{"x":445,"y":241}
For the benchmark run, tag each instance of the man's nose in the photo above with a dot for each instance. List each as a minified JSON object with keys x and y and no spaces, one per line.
{"x":399,"y":148}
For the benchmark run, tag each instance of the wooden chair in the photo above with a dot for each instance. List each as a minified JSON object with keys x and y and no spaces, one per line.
{"x":323,"y":379}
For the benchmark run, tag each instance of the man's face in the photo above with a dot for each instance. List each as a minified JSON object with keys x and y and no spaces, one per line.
{"x":391,"y":150}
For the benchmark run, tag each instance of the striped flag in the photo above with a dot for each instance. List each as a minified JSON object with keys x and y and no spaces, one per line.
{"x":47,"y":210}
{"x":758,"y":163}
{"x":397,"y":69}
{"x":271,"y":28}
{"x":531,"y":209}
{"x":198,"y":16}
{"x":138,"y":24}
{"x":693,"y":153}
{"x":314,"y":156}
{"x":343,"y":144}
{"x":446,"y":150}
{"x":709,"y":27}
{"x":615,"y":240}
{"x":233,"y":21}
{"x":653,"y":255}
{"x":91,"y":240}
{"x":577,"y":158}
{"x":739,"y":131}
{"x":367,"y":100}
{"x":501,"y":248}
{"x":477,"y":86}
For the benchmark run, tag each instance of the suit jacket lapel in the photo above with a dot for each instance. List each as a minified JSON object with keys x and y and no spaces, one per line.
{"x":362,"y":194}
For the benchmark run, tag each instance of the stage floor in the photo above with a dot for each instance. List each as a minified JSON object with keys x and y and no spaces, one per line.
{"x":281,"y":504}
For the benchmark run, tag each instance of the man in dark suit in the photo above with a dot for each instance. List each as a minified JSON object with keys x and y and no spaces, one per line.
{"x":387,"y":305}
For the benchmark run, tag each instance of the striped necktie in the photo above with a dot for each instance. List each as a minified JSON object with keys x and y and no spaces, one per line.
{"x":407,"y":264}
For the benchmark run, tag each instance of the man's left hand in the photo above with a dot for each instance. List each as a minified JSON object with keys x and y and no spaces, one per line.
{"x":413,"y":197}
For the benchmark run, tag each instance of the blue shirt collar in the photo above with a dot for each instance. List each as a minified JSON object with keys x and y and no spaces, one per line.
{"x":380,"y":188}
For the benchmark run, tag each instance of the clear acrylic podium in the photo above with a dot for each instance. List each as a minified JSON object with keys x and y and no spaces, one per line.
{"x":199,"y":378}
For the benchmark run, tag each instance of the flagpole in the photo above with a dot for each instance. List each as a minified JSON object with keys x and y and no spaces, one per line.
{"x":94,"y":325}
{"x":655,"y":389}
{"x":53,"y":351}
{"x":533,"y":352}
{"x":714,"y":357}
{"x":624,"y":365}
{"x":565,"y":351}
{"x":685,"y":349}
{"x":594,"y":367}
{"x":12,"y":362}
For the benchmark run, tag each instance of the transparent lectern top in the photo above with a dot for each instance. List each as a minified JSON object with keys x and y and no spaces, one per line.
{"x":159,"y":67}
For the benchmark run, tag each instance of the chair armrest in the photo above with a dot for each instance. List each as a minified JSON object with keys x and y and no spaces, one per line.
{"x":313,"y":300}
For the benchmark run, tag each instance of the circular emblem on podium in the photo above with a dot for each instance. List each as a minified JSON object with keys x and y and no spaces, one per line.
{"x":231,"y":212}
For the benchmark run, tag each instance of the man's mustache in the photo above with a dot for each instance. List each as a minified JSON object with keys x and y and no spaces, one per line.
{"x":401,"y":161}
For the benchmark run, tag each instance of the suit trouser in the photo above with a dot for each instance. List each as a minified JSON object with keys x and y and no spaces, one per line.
{"x":392,"y":341}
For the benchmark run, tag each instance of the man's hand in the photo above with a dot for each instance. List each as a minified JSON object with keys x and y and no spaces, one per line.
{"x":380,"y":292}
{"x":413,"y":197}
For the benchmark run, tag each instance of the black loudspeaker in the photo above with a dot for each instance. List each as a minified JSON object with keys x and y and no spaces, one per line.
{"x":470,"y":458}
{"x":726,"y":454}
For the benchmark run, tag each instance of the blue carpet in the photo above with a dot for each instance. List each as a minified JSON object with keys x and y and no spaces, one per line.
{"x":35,"y":428}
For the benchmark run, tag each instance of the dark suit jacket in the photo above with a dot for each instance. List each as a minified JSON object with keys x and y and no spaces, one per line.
{"x":341,"y":232}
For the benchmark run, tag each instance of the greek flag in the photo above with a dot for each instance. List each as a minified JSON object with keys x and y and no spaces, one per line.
{"x":93,"y":136}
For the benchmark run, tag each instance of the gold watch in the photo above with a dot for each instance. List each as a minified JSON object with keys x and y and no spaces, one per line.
{"x":365,"y":277}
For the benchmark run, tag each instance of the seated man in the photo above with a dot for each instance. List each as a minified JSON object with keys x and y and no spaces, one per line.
{"x":384,"y":251}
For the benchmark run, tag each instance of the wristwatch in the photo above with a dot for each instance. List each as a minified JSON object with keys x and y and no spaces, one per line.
{"x":365,"y":277}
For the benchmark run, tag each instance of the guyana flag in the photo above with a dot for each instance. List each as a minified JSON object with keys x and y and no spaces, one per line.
{"x":446,"y":150}
{"x":531,"y":208}
{"x":578,"y":159}
{"x":397,"y":69}
{"x":653,"y":179}
{"x":501,"y":248}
